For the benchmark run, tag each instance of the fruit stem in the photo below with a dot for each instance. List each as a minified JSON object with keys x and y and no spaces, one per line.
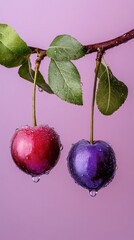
{"x":98,"y":62}
{"x":34,"y":96}
{"x":40,"y":57}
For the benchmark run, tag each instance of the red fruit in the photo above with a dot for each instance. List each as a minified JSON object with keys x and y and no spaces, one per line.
{"x":35,"y":150}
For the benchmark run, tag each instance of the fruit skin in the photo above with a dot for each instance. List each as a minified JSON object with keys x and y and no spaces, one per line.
{"x":35,"y":150}
{"x":92,"y":165}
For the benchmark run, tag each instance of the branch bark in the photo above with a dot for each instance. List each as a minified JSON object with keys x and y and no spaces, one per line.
{"x":102,"y":46}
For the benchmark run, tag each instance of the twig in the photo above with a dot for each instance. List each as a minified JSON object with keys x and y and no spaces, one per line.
{"x":103,"y":46}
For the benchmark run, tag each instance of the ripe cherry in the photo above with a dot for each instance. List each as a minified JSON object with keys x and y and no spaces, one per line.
{"x":35,"y":150}
{"x":92,"y":165}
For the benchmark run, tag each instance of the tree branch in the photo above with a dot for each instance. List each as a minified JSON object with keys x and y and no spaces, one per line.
{"x":102,"y":46}
{"x":110,"y":43}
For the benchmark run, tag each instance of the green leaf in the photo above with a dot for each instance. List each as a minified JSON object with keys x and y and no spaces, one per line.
{"x":13,"y":50}
{"x":64,"y":80}
{"x":111,"y":92}
{"x":64,"y":48}
{"x":27,"y":73}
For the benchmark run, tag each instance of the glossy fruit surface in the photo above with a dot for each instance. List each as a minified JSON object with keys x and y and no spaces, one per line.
{"x":35,"y":150}
{"x":92,"y":165}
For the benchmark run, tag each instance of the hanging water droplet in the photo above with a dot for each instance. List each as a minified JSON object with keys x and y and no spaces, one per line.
{"x":93,"y":193}
{"x":40,"y":89}
{"x":36,"y":179}
{"x":61,"y":147}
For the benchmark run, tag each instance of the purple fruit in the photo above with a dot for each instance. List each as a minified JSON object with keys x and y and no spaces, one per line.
{"x":92,"y":165}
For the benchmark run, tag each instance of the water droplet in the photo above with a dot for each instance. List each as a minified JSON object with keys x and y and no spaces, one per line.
{"x":61,"y":147}
{"x":36,"y":179}
{"x":47,"y":172}
{"x":93,"y":193}
{"x":100,"y":150}
{"x":25,"y":127}
{"x":40,"y":89}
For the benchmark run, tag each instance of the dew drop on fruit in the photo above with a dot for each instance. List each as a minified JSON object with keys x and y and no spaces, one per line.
{"x":61,"y":147}
{"x":25,"y":127}
{"x":92,"y":193}
{"x":36,"y":179}
{"x":40,"y":89}
{"x":47,"y":172}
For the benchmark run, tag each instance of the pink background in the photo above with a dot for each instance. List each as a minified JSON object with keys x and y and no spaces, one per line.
{"x":57,"y":208}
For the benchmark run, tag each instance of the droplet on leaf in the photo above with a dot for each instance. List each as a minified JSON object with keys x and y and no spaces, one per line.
{"x":40,"y":89}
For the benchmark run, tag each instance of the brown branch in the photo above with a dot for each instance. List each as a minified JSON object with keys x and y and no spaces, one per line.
{"x":40,"y":52}
{"x":102,"y":46}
